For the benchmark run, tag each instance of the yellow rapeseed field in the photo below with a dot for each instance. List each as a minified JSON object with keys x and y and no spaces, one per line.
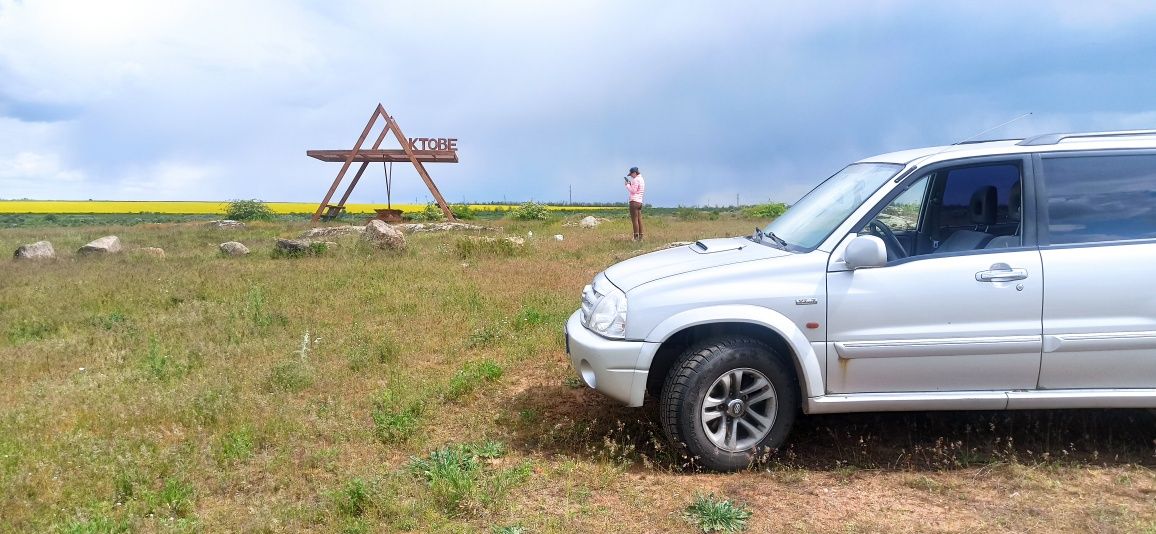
{"x":207,"y":207}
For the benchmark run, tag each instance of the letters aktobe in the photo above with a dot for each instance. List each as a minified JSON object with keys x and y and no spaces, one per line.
{"x":432,"y":143}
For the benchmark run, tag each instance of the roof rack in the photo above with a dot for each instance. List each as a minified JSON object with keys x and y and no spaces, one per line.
{"x":1051,"y":139}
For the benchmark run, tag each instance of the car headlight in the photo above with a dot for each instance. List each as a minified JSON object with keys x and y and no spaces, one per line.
{"x":604,"y":308}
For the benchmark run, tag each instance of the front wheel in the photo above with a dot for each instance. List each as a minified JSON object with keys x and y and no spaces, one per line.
{"x":727,"y":400}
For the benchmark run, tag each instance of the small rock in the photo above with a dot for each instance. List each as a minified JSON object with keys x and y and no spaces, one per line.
{"x":233,"y":248}
{"x":106,"y":245}
{"x":516,"y":240}
{"x":155,"y":252}
{"x":589,"y":221}
{"x":40,"y":250}
{"x":227,"y":224}
{"x":333,"y":231}
{"x":559,"y":237}
{"x":293,"y":246}
{"x":382,"y":235}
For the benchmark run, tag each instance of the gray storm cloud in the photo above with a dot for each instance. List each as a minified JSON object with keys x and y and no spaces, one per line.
{"x":208,"y":100}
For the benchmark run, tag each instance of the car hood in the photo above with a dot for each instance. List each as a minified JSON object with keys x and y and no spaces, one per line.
{"x":700,"y":255}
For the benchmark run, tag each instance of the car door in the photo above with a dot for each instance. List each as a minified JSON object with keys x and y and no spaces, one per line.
{"x":964,"y":319}
{"x":1098,"y":244}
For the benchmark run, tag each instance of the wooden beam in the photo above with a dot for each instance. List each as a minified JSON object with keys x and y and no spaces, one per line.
{"x":349,"y":160}
{"x":401,"y":138}
{"x":357,"y":177}
{"x":385,"y":156}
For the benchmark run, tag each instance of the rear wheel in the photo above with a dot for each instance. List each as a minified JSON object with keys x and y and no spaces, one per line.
{"x":728,"y":400}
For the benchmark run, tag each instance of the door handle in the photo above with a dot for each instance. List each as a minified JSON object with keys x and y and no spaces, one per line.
{"x":1001,"y":272}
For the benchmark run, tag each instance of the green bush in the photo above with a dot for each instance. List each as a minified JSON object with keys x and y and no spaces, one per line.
{"x":463,"y":211}
{"x":248,"y":210}
{"x":765,"y":211}
{"x":683,"y":213}
{"x":530,"y":211}
{"x":431,"y":212}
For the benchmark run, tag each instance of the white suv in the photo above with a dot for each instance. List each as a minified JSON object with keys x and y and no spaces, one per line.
{"x":980,"y":276}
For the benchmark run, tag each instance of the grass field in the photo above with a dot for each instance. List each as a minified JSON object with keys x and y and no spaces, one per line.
{"x":215,"y":208}
{"x":429,"y":391}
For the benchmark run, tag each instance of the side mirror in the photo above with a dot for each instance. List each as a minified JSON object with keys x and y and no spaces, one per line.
{"x":866,"y":251}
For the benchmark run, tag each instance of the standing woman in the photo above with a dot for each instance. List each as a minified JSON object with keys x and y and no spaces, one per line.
{"x":636,"y":185}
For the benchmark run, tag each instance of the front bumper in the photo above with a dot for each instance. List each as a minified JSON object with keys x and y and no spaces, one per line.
{"x":606,"y":365}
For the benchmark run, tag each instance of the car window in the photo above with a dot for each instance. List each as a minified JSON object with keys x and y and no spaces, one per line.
{"x":903,"y":213}
{"x":1100,"y":198}
{"x":962,"y":185}
{"x":951,"y":210}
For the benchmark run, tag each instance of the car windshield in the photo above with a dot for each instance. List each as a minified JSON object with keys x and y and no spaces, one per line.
{"x":815,"y":216}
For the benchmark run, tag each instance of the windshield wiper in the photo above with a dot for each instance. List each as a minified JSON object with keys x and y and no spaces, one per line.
{"x":760,"y":234}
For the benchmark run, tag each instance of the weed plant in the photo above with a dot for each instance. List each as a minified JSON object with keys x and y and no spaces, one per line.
{"x":712,"y":514}
{"x":461,"y":481}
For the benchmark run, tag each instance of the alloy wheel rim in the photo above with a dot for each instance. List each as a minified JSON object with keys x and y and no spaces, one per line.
{"x":739,"y":409}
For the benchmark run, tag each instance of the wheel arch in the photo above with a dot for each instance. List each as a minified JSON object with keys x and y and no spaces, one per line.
{"x":675,"y":333}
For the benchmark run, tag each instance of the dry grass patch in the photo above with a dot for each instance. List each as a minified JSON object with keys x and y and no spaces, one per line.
{"x":356,"y":391}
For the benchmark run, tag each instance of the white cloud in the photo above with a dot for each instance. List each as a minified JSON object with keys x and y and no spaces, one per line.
{"x":167,"y":180}
{"x":75,"y":51}
{"x":217,"y":100}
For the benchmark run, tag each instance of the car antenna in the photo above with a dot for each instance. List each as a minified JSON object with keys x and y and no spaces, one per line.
{"x":990,"y":129}
{"x":911,"y":164}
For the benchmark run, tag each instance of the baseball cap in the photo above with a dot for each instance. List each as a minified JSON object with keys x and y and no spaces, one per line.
{"x":632,"y":169}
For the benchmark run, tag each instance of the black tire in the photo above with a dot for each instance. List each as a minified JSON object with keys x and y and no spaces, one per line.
{"x":711,"y":368}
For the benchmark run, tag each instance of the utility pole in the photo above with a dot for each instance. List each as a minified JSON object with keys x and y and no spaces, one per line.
{"x":571,"y":194}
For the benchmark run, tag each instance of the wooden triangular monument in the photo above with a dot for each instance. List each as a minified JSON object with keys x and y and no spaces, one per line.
{"x":442,"y":151}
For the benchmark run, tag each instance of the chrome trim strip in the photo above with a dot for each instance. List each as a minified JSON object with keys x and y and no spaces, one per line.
{"x":1100,"y":342}
{"x":1081,"y":398}
{"x":903,"y":402}
{"x":938,"y":347}
{"x":982,"y":400}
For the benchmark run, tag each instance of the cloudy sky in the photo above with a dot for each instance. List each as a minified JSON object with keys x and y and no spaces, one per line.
{"x":215,"y":100}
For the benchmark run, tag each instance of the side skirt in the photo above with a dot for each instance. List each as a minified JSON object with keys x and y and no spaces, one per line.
{"x":981,"y":400}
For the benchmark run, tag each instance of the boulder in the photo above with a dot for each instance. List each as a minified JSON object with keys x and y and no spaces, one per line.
{"x":40,"y":250}
{"x":155,"y":252}
{"x":233,"y":248}
{"x":333,"y":231}
{"x":227,"y":224}
{"x":109,"y":244}
{"x":382,"y":235}
{"x":589,"y":222}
